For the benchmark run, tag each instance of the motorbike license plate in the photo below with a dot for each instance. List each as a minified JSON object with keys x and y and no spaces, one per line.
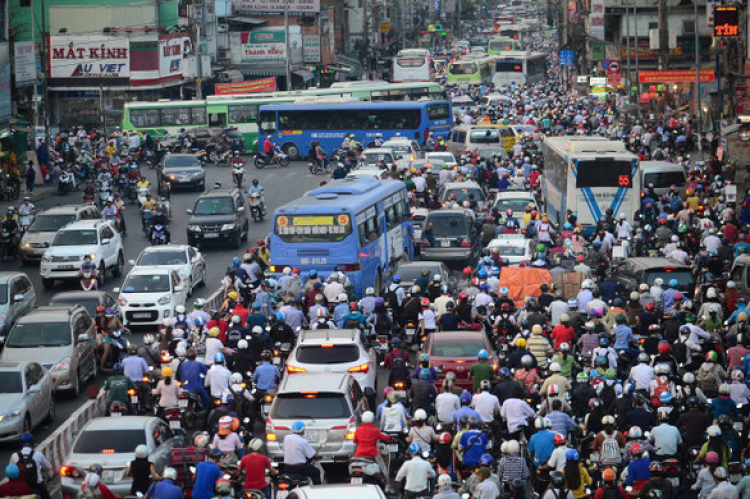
{"x":266,"y":408}
{"x":281,"y":494}
{"x":210,"y":236}
{"x":357,"y":480}
{"x":142,"y":315}
{"x":400,"y":394}
{"x":133,"y":399}
{"x":108,"y":476}
{"x":182,"y":403}
{"x":175,"y":424}
{"x":276,"y":361}
{"x":445,"y":244}
{"x":392,"y":447}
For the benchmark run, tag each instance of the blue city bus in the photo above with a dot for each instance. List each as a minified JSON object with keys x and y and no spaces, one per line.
{"x":293,"y":127}
{"x":351,"y":225}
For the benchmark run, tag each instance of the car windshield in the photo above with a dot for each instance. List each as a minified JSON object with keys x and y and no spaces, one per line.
{"x":214,"y":206}
{"x":33,"y":335}
{"x":50,"y":223}
{"x":109,"y":441}
{"x":375,"y":158}
{"x":310,"y":405}
{"x":463,"y":194}
{"x":173,"y":161}
{"x":413,"y":272}
{"x":446,"y":158}
{"x":89,"y":304}
{"x":10,"y":382}
{"x":506,"y":250}
{"x":664,"y":179}
{"x":74,"y":238}
{"x":456,"y":348}
{"x":327,"y":354}
{"x":157,"y":283}
{"x":446,"y":226}
{"x":3,"y":294}
{"x":182,"y":171}
{"x":514,"y":204}
{"x":684,"y":277}
{"x":162,"y":258}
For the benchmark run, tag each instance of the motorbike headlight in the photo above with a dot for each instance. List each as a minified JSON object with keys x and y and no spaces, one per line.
{"x":62,"y":365}
{"x":164,"y":300}
{"x":227,"y":227}
{"x":10,"y":416}
{"x":194,"y":228}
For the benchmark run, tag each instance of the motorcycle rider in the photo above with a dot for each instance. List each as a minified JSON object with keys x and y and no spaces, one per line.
{"x":160,"y":218}
{"x":269,"y":149}
{"x":88,"y":267}
{"x":417,"y":473}
{"x":258,"y":189}
{"x":10,"y":225}
{"x":25,"y":212}
{"x":117,"y":387}
{"x":297,"y":453}
{"x":366,"y":437}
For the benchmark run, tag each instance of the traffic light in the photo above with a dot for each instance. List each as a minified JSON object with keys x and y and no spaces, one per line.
{"x":443,"y":33}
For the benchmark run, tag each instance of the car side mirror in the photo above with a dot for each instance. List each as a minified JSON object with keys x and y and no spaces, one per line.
{"x":83,"y":338}
{"x":115,"y":290}
{"x":240,"y":209}
{"x":131,"y":262}
{"x":17,"y":298}
{"x":33,"y":389}
{"x":189,"y":212}
{"x":105,"y":240}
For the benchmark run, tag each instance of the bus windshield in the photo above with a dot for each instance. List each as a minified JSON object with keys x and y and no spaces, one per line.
{"x":312,"y":228}
{"x":484,"y":136}
{"x":466,"y":68}
{"x":410,"y":62}
{"x":501,"y":46}
{"x":603,"y":173}
{"x":508,"y":66}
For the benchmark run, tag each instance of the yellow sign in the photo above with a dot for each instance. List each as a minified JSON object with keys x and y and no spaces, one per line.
{"x":385,"y":26}
{"x":297,"y":220}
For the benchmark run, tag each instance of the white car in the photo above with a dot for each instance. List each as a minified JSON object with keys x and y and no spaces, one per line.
{"x":516,"y":201}
{"x":73,"y":243}
{"x":149,"y":295}
{"x":366,"y":172}
{"x":516,"y":248}
{"x":186,"y":260}
{"x":446,"y":157}
{"x":334,"y":350}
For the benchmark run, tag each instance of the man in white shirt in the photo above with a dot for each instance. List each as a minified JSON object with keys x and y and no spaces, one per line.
{"x":516,"y":412}
{"x":417,"y":473}
{"x":486,"y":403}
{"x":642,"y":374}
{"x":297,"y":452}
{"x":218,"y":377}
{"x":446,"y":403}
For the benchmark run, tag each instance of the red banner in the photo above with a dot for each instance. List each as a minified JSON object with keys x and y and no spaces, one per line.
{"x":675,"y":75}
{"x":246,"y":87}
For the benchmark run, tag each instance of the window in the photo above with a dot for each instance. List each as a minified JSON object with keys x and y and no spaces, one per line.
{"x":439,"y":111}
{"x":16,"y":288}
{"x":107,"y":233}
{"x":509,"y":66}
{"x":310,"y":405}
{"x":411,"y":62}
{"x":34,"y":335}
{"x":337,"y":354}
{"x":31,"y":376}
{"x":738,"y":274}
{"x":459,"y":137}
{"x":603,"y":172}
{"x":145,"y":118}
{"x":109,"y":441}
{"x":267,"y":123}
{"x":465,"y":68}
{"x":10,"y":382}
{"x":368,"y":228}
{"x":246,"y":113}
{"x":350,"y":119}
{"x":175,"y":116}
{"x":688,"y":27}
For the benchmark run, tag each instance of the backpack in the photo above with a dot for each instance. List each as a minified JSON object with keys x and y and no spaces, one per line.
{"x":180,"y":322}
{"x":27,"y":468}
{"x":234,"y":335}
{"x":708,"y":381}
{"x":399,"y":371}
{"x":382,"y":325}
{"x":660,"y":388}
{"x":391,"y":299}
{"x":611,"y":492}
{"x":322,"y":325}
{"x":610,"y":454}
{"x":351,"y":323}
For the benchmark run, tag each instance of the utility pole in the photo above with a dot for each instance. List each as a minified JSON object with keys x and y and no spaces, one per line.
{"x":288,"y":47}
{"x":46,"y":65}
{"x":664,"y":33}
{"x":627,"y":47}
{"x":197,"y":21}
{"x":698,"y":75}
{"x":365,"y":40}
{"x":637,"y":49}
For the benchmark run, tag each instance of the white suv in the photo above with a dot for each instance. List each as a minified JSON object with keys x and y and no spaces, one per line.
{"x":73,"y":243}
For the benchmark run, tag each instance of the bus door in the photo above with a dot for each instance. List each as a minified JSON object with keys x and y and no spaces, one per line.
{"x":395,"y":231}
{"x":217,"y":119}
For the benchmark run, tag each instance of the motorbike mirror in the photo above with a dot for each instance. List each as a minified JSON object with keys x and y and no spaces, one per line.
{"x":179,"y":288}
{"x":240,"y":209}
{"x":465,"y":496}
{"x":83,"y":337}
{"x":115,"y":290}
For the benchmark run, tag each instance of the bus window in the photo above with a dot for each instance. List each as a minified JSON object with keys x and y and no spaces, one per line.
{"x":217,"y":119}
{"x":463,"y":68}
{"x":245,"y":113}
{"x":145,"y":117}
{"x":176,"y":116}
{"x":439,"y":111}
{"x":484,"y":136}
{"x":459,"y":137}
{"x":267,"y":123}
{"x":198,"y":116}
{"x":412,"y":62}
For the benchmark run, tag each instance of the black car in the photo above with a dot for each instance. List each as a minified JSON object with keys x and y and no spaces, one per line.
{"x":219,"y":215}
{"x":182,"y":170}
{"x":89,"y":299}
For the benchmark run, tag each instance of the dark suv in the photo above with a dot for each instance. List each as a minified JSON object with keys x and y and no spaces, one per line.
{"x":634,"y":271}
{"x":219,"y":215}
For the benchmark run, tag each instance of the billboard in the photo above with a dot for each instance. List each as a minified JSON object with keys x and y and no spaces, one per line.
{"x":246,"y":87}
{"x":24,"y":63}
{"x":265,"y":48}
{"x":94,"y":56}
{"x":171,"y":50}
{"x":265,"y":6}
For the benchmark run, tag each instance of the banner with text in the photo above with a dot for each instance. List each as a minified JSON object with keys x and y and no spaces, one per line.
{"x":93,"y":56}
{"x":675,"y":75}
{"x":246,"y":87}
{"x":24,"y":63}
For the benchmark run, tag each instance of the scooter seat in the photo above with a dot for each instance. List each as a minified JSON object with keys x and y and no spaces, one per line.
{"x":294,"y":477}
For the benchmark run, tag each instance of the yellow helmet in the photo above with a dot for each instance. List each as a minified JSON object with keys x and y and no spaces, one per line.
{"x":166,"y":372}
{"x":742,"y":317}
{"x":214,"y":331}
{"x":233,"y":295}
{"x":521,"y":343}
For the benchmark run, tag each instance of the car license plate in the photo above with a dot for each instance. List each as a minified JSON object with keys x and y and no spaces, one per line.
{"x":276,"y":361}
{"x":175,"y":424}
{"x":357,"y":480}
{"x":183,"y":403}
{"x":108,"y":476}
{"x":312,"y":436}
{"x":142,"y":315}
{"x":210,"y":236}
{"x":445,"y":244}
{"x":115,"y":415}
{"x":392,"y":447}
{"x":66,"y":267}
{"x":183,"y":180}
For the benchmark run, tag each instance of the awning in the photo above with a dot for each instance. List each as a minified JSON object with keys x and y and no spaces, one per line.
{"x":305,"y":75}
{"x":245,"y":20}
{"x":264,"y":72}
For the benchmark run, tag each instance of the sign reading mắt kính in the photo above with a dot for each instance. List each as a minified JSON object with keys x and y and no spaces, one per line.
{"x":94,"y":56}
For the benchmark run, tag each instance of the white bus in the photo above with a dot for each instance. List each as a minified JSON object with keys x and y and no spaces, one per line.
{"x":588,"y":176}
{"x":412,"y":65}
{"x":519,"y":67}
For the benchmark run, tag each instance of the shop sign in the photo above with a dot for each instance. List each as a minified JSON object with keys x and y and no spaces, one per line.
{"x":5,"y":100}
{"x":24,"y":63}
{"x":264,"y":48}
{"x":171,"y":52}
{"x":310,"y":48}
{"x":596,"y":20}
{"x":89,"y":57}
{"x":675,"y":75}
{"x":266,"y":6}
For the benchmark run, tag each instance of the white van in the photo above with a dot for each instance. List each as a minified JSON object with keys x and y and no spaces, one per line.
{"x":663,"y":175}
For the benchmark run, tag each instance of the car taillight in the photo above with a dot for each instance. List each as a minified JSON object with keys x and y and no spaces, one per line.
{"x":131,"y":392}
{"x":295,"y":370}
{"x":350,"y":267}
{"x":70,"y":472}
{"x":466,"y":243}
{"x":276,"y":268}
{"x":424,"y":243}
{"x":362,"y":368}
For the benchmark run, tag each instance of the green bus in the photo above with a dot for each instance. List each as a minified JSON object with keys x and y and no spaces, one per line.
{"x":240,"y":111}
{"x":471,"y":70}
{"x":501,"y":44}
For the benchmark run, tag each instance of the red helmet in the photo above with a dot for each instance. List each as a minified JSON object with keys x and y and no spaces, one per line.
{"x":445,"y":438}
{"x":425,"y":302}
{"x":650,"y":306}
{"x":558,"y":439}
{"x":260,"y":242}
{"x":463,"y":297}
{"x":295,"y":271}
{"x":663,"y":348}
{"x":636,"y":449}
{"x":353,"y":306}
{"x":467,"y":270}
{"x":505,"y":307}
{"x":100,"y":309}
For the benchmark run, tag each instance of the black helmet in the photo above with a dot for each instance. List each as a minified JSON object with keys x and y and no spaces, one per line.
{"x":557,"y":479}
{"x":96,"y":468}
{"x":255,"y":181}
{"x":517,"y":485}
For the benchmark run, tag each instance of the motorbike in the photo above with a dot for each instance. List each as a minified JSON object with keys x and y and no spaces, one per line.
{"x":262,"y":160}
{"x":119,"y":347}
{"x":105,"y":191}
{"x":25,"y":220}
{"x":132,"y":191}
{"x":193,"y":413}
{"x":257,"y":208}
{"x":117,"y":409}
{"x":141,"y":195}
{"x":216,"y":156}
{"x":317,"y":167}
{"x":135,"y":401}
{"x":280,"y":354}
{"x":735,"y":472}
{"x":89,"y":280}
{"x":158,"y":235}
{"x":66,"y":183}
{"x":238,"y":172}
{"x":7,"y":247}
{"x":290,"y":481}
{"x":365,"y":470}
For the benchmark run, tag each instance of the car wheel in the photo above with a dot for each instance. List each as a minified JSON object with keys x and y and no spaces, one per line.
{"x":246,"y":232}
{"x":203,"y":278}
{"x":120,"y":265}
{"x":52,"y":411}
{"x":48,"y":283}
{"x":190,"y":288}
{"x":77,"y":386}
{"x":102,"y":274}
{"x":27,"y":426}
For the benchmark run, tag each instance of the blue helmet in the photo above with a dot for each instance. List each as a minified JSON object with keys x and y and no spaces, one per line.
{"x":396,"y":278}
{"x":505,"y":372}
{"x":486,"y":460}
{"x":495,"y":271}
{"x":298,"y":427}
{"x":27,"y":439}
{"x":117,"y":368}
{"x":313,"y":273}
{"x":236,"y":261}
{"x":504,"y":291}
{"x":200,"y":321}
{"x":256,"y":305}
{"x":219,"y":358}
{"x":483,"y":354}
{"x":396,"y":342}
{"x":482,"y":274}
{"x":673,"y":283}
{"x":603,"y":342}
{"x":12,"y":472}
{"x":415,"y":448}
{"x":567,"y":226}
{"x":665,"y":398}
{"x":465,"y":398}
{"x":597,"y":244}
{"x":424,"y":357}
{"x":572,"y":455}
{"x":280,"y":316}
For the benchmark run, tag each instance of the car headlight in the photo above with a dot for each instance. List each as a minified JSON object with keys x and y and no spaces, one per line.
{"x":122,"y":302}
{"x":227,"y":227}
{"x":62,"y":365}
{"x":171,"y":177}
{"x":9,"y":416}
{"x":47,"y":258}
{"x":164,"y":300}
{"x":27,"y":245}
{"x":194,"y":228}
{"x":2,"y":319}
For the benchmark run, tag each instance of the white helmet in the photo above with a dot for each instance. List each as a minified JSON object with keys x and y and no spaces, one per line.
{"x":420,"y":415}
{"x":713,"y":431}
{"x":444,"y":480}
{"x":513,"y":447}
{"x":587,"y":284}
{"x":242,"y":344}
{"x":724,"y":389}
{"x":236,"y":378}
{"x":148,"y":339}
{"x":141,"y":451}
{"x":256,"y":444}
{"x":343,"y":297}
{"x":180,"y":309}
{"x":170,"y":473}
{"x":688,"y":378}
{"x":166,"y":322}
{"x":368,"y":417}
{"x":201,"y":440}
{"x":257,"y":330}
{"x":370,"y":291}
{"x":555,"y":367}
